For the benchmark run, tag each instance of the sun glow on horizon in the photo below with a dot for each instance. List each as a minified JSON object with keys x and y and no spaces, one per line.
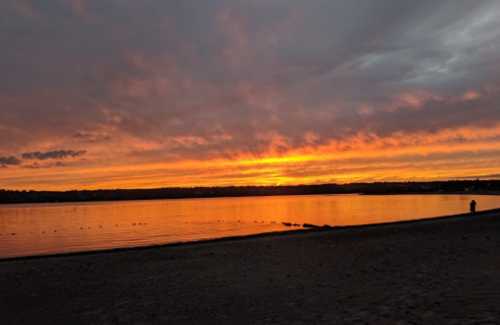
{"x":374,"y":160}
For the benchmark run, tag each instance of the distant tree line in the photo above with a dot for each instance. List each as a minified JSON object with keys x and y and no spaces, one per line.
{"x":472,"y":187}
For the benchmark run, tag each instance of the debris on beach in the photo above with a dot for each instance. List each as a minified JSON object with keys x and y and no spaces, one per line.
{"x":290,"y":224}
{"x":312,"y":226}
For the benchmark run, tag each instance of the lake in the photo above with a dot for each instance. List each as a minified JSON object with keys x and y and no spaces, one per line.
{"x":39,"y":229}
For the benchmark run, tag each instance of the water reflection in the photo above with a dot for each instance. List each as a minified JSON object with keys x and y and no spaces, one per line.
{"x":56,"y":228}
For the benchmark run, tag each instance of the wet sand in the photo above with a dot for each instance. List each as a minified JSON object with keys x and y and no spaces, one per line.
{"x":442,"y":271}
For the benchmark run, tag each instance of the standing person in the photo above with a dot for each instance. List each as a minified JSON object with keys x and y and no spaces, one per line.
{"x":473,"y":205}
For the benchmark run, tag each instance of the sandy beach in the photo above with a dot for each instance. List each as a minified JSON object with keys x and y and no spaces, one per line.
{"x":442,"y":271}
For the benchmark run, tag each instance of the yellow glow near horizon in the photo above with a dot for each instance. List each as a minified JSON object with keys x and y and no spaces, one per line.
{"x":277,"y":160}
{"x":409,"y":157}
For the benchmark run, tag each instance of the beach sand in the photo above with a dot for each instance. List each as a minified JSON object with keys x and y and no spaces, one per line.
{"x":443,"y":271}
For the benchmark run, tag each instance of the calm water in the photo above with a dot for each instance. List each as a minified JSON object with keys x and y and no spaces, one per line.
{"x":56,"y":228}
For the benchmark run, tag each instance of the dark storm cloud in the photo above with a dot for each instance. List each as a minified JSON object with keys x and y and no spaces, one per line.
{"x":235,"y":73}
{"x":9,"y":161}
{"x":56,"y":154}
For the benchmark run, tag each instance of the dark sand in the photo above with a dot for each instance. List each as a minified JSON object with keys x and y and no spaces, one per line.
{"x":444,"y":271}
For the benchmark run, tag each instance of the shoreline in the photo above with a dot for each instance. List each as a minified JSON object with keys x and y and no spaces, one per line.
{"x":450,"y":187}
{"x":6,"y":205}
{"x":318,"y":228}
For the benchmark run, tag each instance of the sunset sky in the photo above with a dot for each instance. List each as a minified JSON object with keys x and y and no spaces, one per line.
{"x":160,"y":93}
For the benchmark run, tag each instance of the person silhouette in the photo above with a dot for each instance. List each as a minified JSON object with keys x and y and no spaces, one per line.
{"x":473,"y":205}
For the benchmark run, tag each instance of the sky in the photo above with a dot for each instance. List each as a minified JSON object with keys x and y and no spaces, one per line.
{"x":162,"y":93}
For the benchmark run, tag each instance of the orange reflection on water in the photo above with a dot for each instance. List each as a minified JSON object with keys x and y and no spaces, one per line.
{"x":58,"y":228}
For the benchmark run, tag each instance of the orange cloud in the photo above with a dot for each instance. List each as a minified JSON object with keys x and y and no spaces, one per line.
{"x":453,"y":153}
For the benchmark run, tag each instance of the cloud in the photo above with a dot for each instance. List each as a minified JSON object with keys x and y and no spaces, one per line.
{"x":92,"y":136}
{"x":56,"y":154}
{"x":9,"y":161}
{"x":37,"y":165}
{"x":153,"y":81}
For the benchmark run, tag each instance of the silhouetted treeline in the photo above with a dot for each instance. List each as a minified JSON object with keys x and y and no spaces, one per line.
{"x":473,"y":187}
